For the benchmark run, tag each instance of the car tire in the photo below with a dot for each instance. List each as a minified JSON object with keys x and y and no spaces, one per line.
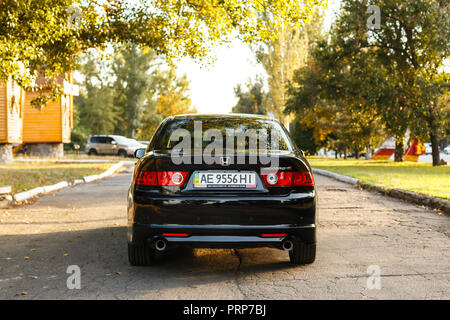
{"x":140,"y":255}
{"x":302,"y":253}
{"x":92,"y":152}
{"x":122,"y":153}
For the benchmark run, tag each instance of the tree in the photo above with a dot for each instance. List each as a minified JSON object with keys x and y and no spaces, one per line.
{"x":131,"y":68}
{"x":171,"y":92}
{"x":408,"y":51}
{"x":46,"y":36}
{"x":283,"y":55}
{"x":304,"y":138}
{"x":435,"y":98}
{"x":129,"y":93}
{"x":304,"y":99}
{"x":167,"y":95}
{"x":252,"y":99}
{"x":388,"y":74}
{"x":331,"y":99}
{"x":93,"y":108}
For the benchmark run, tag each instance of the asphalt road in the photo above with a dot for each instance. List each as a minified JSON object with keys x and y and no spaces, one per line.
{"x":85,"y":226}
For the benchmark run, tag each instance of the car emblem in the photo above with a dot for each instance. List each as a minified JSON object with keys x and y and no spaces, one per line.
{"x":225,"y":161}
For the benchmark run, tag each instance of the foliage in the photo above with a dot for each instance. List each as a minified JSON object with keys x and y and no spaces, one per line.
{"x":382,"y":78}
{"x":168,"y":95}
{"x":131,"y":68}
{"x":304,"y":138}
{"x":408,"y":50}
{"x":45,"y":37}
{"x":128,"y":93}
{"x":252,"y":99}
{"x":93,"y":108}
{"x":283,"y":55}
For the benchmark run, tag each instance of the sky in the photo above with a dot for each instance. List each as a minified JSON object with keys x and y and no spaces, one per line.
{"x":212,"y":87}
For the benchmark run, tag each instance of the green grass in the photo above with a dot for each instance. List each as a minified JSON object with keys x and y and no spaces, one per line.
{"x":23,"y":176}
{"x":411,"y":176}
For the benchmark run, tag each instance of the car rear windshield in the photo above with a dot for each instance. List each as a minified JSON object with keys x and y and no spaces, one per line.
{"x":268,"y":134}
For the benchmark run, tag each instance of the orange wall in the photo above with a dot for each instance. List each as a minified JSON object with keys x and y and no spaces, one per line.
{"x":41,"y":125}
{"x":53,"y":123}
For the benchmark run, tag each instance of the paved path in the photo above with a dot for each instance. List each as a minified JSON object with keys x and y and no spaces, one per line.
{"x":85,"y":225}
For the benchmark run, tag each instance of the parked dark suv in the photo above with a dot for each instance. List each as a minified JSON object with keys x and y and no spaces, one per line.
{"x":180,"y":196}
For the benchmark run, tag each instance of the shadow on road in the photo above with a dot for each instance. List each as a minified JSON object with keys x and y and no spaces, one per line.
{"x":37,"y":264}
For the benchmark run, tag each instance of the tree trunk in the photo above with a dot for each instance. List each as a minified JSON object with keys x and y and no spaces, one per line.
{"x":345,"y":152}
{"x":435,"y":149}
{"x":434,"y":138}
{"x":398,"y":155}
{"x":368,"y":152}
{"x":356,"y":154}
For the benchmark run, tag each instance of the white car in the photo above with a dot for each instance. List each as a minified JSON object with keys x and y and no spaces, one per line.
{"x":112,"y":145}
{"x":447,"y":149}
{"x":429,"y":149}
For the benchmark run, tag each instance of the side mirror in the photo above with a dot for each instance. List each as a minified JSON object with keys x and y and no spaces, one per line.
{"x":113,"y":142}
{"x":139,"y":153}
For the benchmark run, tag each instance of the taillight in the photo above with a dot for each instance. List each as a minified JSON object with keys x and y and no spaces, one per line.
{"x":169,"y":178}
{"x":286,"y":179}
{"x":302,"y":179}
{"x":146,"y":178}
{"x":277,"y":179}
{"x":161,"y":178}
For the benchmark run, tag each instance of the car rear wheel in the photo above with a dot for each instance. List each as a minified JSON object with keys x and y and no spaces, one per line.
{"x":122,"y":153}
{"x":302,"y":253}
{"x":92,"y":152}
{"x":140,"y":255}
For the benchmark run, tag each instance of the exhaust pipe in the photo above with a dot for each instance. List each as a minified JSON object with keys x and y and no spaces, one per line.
{"x":160,"y":245}
{"x":287,"y":245}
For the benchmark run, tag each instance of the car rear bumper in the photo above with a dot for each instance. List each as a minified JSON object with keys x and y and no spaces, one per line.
{"x":222,"y":221}
{"x":223,"y":236}
{"x":293,"y":209}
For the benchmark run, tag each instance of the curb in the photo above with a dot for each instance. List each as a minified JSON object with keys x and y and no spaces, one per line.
{"x":414,"y":197}
{"x":26,"y":195}
{"x":22,"y":196}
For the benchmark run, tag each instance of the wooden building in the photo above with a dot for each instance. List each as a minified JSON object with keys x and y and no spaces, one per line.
{"x":11,"y":112}
{"x":45,"y":130}
{"x":11,"y":118}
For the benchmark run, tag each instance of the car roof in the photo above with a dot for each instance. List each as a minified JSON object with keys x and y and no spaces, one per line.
{"x":107,"y":135}
{"x":221,"y":115}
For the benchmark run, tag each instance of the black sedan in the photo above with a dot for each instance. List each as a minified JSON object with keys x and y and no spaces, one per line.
{"x":221,"y":181}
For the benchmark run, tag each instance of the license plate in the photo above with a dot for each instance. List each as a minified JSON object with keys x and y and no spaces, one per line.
{"x":224,"y":180}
